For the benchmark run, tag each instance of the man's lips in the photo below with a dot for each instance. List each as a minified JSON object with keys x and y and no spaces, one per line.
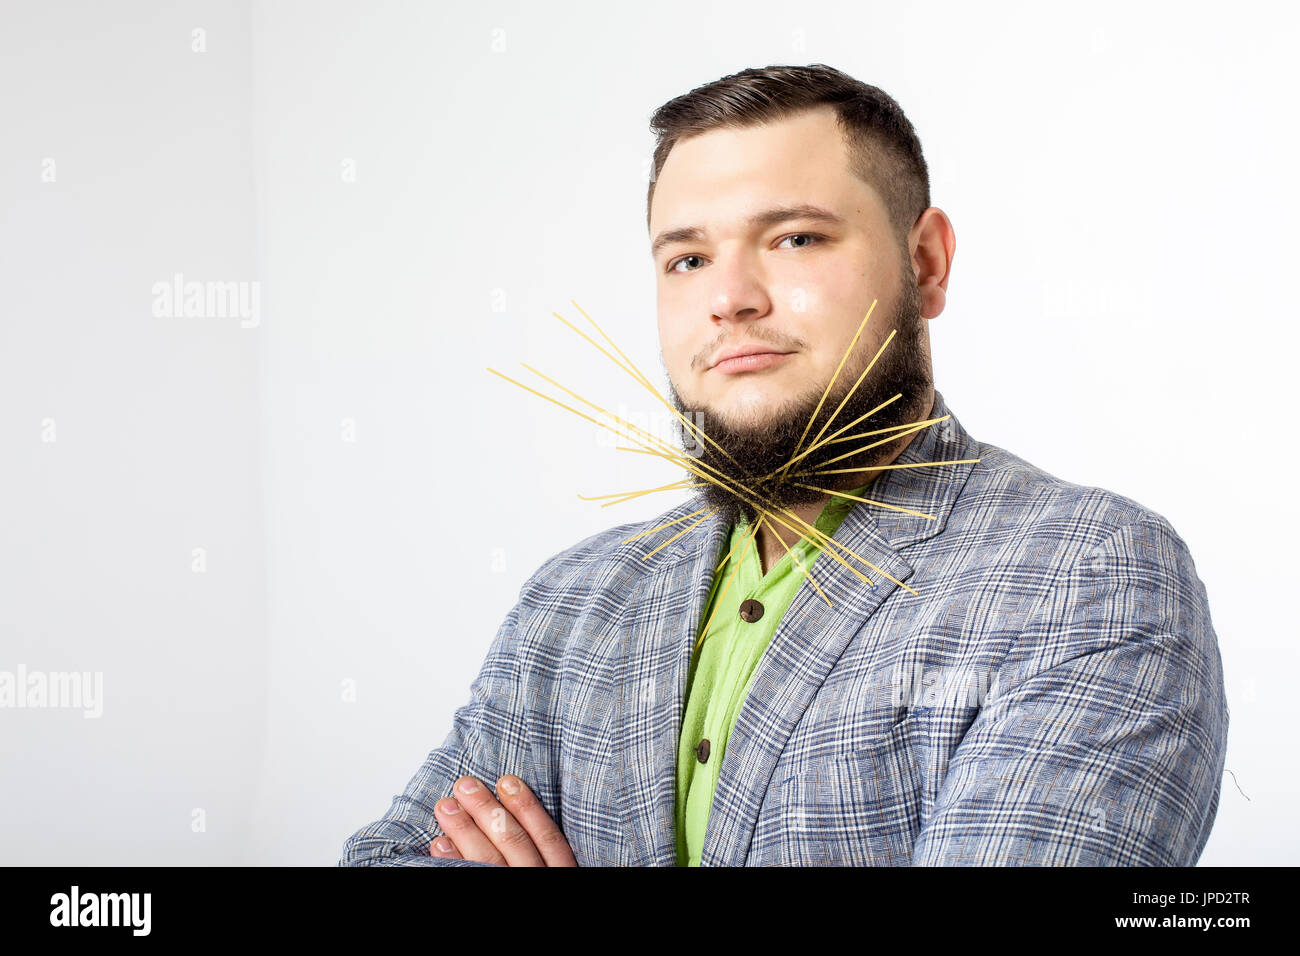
{"x":748,"y":361}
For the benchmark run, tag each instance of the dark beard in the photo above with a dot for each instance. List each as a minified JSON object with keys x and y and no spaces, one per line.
{"x":759,"y":451}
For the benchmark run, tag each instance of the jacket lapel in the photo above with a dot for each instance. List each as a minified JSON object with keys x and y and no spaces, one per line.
{"x":807,"y":643}
{"x":669,"y":604}
{"x":664,"y":612}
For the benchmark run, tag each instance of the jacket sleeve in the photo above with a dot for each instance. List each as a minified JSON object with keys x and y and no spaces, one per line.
{"x":1103,"y":739}
{"x":488,"y":738}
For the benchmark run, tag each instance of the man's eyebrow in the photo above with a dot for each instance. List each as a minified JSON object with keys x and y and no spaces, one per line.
{"x":768,"y":217}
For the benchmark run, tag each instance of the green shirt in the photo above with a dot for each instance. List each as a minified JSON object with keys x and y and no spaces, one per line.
{"x":722,"y":666}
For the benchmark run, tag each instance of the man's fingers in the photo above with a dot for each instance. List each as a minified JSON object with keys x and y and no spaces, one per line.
{"x":470,"y":842}
{"x":444,"y":847}
{"x":544,"y":833}
{"x":484,"y":830}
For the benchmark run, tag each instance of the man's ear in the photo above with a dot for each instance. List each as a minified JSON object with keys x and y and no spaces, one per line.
{"x":933,"y":244}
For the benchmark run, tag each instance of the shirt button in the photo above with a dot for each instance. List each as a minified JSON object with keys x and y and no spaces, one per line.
{"x":750,"y":610}
{"x":702,"y":751}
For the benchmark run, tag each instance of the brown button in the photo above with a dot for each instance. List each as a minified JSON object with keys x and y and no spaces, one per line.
{"x":750,"y":610}
{"x":702,"y":751}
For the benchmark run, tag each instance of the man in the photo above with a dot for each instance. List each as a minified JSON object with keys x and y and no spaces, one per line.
{"x":868,"y":638}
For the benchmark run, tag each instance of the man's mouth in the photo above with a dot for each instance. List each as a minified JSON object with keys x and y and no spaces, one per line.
{"x":749,"y":362}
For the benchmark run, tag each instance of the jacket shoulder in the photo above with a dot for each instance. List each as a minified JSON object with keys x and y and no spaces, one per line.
{"x":1007,"y":492}
{"x":600,"y":558}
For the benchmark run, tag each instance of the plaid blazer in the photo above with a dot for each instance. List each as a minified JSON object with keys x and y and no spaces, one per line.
{"x":1052,"y":695}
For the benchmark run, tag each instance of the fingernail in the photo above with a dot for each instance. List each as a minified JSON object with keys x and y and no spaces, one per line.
{"x":509,"y":785}
{"x":443,"y":845}
{"x":450,"y":806}
{"x":468,"y":786}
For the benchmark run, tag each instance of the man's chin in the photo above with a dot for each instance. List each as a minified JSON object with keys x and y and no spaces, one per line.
{"x":749,"y":423}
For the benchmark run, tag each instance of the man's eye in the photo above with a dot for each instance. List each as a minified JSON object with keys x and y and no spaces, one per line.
{"x":672,"y":266}
{"x":805,"y":235}
{"x":812,"y":236}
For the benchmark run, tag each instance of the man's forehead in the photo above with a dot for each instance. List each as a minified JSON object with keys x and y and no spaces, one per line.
{"x":781,"y":155}
{"x":736,"y":176}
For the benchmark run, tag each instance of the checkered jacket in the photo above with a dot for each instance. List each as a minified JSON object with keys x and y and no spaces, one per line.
{"x":1051,"y":695}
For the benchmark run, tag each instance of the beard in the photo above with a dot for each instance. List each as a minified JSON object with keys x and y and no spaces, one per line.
{"x":761,"y":448}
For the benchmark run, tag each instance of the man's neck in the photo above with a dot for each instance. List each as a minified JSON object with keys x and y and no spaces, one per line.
{"x":774,"y":537}
{"x":772,"y":546}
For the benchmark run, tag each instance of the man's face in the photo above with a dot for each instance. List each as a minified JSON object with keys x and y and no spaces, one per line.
{"x":799,"y":286}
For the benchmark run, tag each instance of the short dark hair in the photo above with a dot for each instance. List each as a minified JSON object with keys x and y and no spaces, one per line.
{"x":885,"y":151}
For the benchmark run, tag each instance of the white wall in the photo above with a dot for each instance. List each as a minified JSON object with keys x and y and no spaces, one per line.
{"x":1120,"y":180}
{"x":154,"y":421}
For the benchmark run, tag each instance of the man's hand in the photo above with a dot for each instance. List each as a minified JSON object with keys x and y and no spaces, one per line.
{"x":478,"y":827}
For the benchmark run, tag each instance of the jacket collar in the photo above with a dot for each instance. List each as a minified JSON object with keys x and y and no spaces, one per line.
{"x":807,"y":643}
{"x":932,"y":490}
